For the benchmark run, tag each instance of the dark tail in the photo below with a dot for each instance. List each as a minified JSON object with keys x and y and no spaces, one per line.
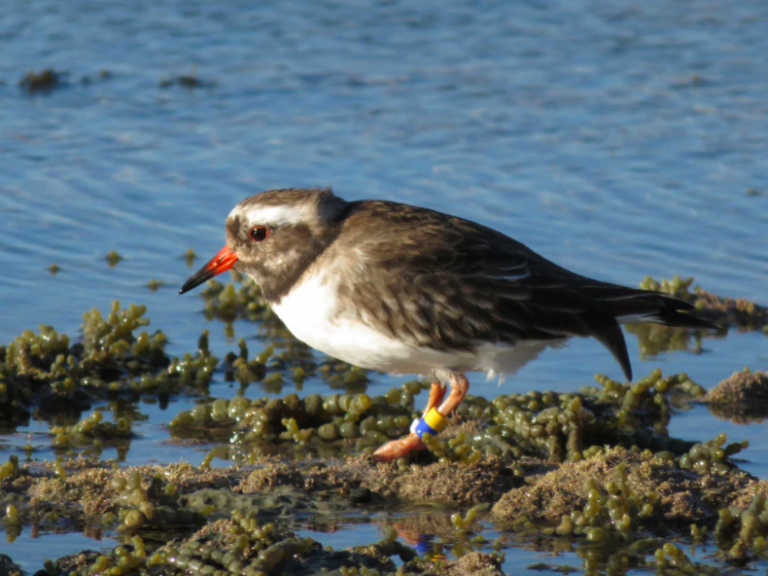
{"x":658,"y":308}
{"x":625,"y":305}
{"x":612,"y":337}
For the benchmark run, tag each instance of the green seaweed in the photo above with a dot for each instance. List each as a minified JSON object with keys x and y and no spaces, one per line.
{"x":113,"y":258}
{"x":42,"y":82}
{"x":594,"y":471}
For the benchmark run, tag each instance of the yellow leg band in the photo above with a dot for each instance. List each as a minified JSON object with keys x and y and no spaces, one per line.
{"x":435,"y":420}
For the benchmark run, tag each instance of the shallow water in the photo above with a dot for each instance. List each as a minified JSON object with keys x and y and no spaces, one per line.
{"x":619,"y":141}
{"x":27,"y":550}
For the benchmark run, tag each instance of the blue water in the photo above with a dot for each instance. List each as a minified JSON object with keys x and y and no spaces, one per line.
{"x":30,"y":552}
{"x":618,"y":140}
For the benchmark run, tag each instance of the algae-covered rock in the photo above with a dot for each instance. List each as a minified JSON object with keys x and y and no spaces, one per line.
{"x":129,"y":559}
{"x":476,"y":564}
{"x":744,"y":387}
{"x":438,"y":483}
{"x":243,"y":545}
{"x":78,"y":494}
{"x":742,"y":397}
{"x":680,"y":496}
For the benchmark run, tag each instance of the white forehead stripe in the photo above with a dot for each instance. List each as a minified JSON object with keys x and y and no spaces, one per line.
{"x":276,"y":216}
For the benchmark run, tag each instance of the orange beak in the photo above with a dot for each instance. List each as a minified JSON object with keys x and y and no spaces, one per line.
{"x":222,"y":262}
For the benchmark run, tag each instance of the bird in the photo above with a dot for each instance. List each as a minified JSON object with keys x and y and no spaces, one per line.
{"x":402,"y":289}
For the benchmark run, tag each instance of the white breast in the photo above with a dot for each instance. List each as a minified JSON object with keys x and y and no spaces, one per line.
{"x":312,"y":312}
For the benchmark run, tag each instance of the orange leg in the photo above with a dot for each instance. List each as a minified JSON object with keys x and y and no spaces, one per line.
{"x":459,"y":389}
{"x":398,"y":448}
{"x":436,"y":395}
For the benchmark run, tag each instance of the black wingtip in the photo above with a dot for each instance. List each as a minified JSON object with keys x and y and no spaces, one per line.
{"x":679,"y":314}
{"x":612,"y":337}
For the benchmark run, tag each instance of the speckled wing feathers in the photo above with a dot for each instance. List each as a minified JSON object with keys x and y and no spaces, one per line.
{"x":446,"y":283}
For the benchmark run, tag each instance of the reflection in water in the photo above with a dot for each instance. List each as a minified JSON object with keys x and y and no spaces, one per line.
{"x":654,"y":339}
{"x":740,"y":413}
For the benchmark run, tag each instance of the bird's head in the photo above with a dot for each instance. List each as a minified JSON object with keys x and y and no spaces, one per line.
{"x":273,"y":236}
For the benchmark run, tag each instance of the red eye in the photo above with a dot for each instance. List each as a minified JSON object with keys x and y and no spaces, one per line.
{"x":259,"y":233}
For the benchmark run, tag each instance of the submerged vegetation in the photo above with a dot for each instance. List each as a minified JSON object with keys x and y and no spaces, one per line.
{"x":189,"y":81}
{"x":40,"y":82}
{"x":594,"y":472}
{"x":113,"y":258}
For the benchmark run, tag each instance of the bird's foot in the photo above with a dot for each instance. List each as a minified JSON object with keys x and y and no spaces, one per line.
{"x":398,"y":448}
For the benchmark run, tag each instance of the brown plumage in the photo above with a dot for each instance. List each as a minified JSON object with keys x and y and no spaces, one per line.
{"x":451,"y":282}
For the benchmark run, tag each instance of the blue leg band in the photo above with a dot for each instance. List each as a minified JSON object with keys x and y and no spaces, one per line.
{"x":419,"y":427}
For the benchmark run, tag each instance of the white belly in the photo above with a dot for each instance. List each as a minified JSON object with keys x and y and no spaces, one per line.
{"x":311,"y":312}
